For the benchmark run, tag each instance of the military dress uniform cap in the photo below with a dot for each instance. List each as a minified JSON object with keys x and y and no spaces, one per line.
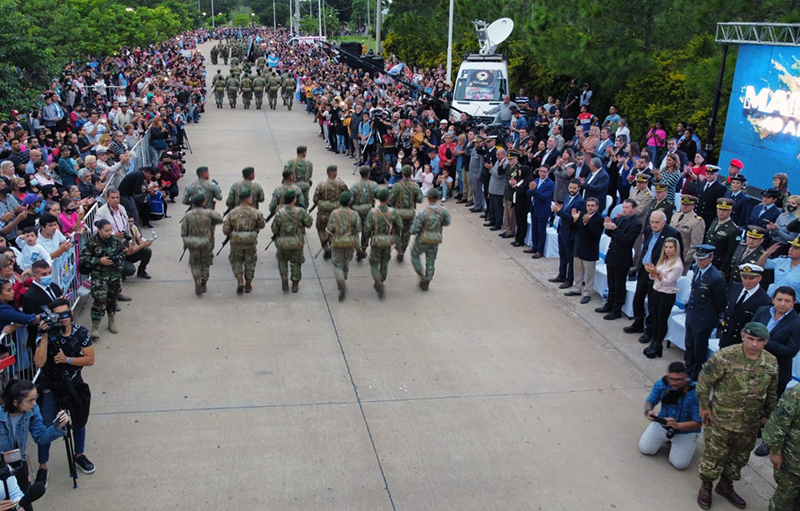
{"x":689,"y":199}
{"x":756,"y":232}
{"x":642,"y":178}
{"x":244,"y":193}
{"x":771,"y":192}
{"x":383,"y":194}
{"x":433,"y":193}
{"x":749,"y":269}
{"x":737,"y":163}
{"x":345,"y":197}
{"x":756,"y":330}
{"x":406,"y":170}
{"x":712,"y":169}
{"x":739,"y":177}
{"x":703,"y":251}
{"x":288,"y":196}
{"x":513,"y":153}
{"x":660,"y":187}
{"x":795,"y":242}
{"x":724,"y":203}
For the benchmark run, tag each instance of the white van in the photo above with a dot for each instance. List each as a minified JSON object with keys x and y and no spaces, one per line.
{"x":480,"y":85}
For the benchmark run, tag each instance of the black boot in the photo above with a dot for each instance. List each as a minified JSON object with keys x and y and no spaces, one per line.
{"x":636,"y":328}
{"x":653,"y":350}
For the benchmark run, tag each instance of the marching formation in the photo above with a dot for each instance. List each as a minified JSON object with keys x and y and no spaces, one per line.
{"x":243,"y":79}
{"x":348,"y":223}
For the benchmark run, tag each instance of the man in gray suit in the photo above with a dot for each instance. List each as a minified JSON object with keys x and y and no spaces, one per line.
{"x":497,"y":185}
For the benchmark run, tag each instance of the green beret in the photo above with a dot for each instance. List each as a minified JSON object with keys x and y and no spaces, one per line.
{"x":288,"y":196}
{"x":247,"y":170}
{"x":433,"y":193}
{"x":332,"y":168}
{"x":345,"y":198}
{"x":245,"y":192}
{"x":383,"y":194}
{"x":407,"y":170}
{"x":756,"y":330}
{"x":198,"y":199}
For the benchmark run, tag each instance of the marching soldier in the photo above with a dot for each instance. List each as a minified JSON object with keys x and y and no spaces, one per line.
{"x":733,"y":416}
{"x":747,"y":253}
{"x":289,"y":227}
{"x":232,"y":85}
{"x":344,"y":227}
{"x":242,"y":226}
{"x":287,"y":89}
{"x":259,"y":84}
{"x":224,"y":50}
{"x":723,"y":235}
{"x":302,"y":169}
{"x":692,"y":229}
{"x":363,"y":193}
{"x":197,"y":231}
{"x":379,"y":226}
{"x":261,"y":63}
{"x":214,"y":54}
{"x":218,"y":84}
{"x":247,"y":183}
{"x":279,"y":193}
{"x":247,"y":90}
{"x":404,"y":197}
{"x":428,"y":226}
{"x":326,"y":198}
{"x":274,"y":83}
{"x":235,"y":69}
{"x":782,"y":435}
{"x":203,"y":186}
{"x":661,"y":202}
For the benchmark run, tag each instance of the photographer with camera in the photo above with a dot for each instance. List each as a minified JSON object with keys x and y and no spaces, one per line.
{"x":678,"y":421}
{"x":63,"y":350}
{"x":104,"y":257}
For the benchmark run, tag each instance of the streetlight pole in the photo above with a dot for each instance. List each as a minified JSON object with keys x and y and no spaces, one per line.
{"x":449,"y":45}
{"x":213,"y":17}
{"x":378,"y":29}
{"x":319,"y":15}
{"x":274,"y":21}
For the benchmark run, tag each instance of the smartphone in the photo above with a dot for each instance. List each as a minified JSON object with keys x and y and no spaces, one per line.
{"x":58,"y":418}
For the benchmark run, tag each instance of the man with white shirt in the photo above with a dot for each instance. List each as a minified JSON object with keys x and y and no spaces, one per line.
{"x":604,"y":149}
{"x":95,"y":127}
{"x":744,"y":299}
{"x":596,"y":183}
{"x":51,"y":238}
{"x":552,"y":153}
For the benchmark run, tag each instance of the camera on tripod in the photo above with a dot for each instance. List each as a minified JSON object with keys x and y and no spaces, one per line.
{"x":52,"y":321}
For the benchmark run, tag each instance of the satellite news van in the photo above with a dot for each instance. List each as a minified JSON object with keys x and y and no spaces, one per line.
{"x":482,"y":78}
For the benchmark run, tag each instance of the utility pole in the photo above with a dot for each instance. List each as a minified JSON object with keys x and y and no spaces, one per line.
{"x":297,"y":17}
{"x":319,"y":16}
{"x":449,"y":45}
{"x":368,"y":16}
{"x":378,"y":29}
{"x":213,"y":17}
{"x":274,"y":20}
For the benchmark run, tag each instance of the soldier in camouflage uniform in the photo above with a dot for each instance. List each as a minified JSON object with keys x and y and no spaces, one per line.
{"x":290,"y":226}
{"x":723,"y":234}
{"x":259,"y":84}
{"x":197,"y":231}
{"x":274,"y":83}
{"x":404,"y":198}
{"x":287,"y":89}
{"x":363,"y":193}
{"x":218,"y":84}
{"x":782,"y":436}
{"x":428,"y":226}
{"x":379,"y":226}
{"x":303,"y":170}
{"x":242,"y":225}
{"x":247,"y":183}
{"x":106,"y":255}
{"x":223,"y":52}
{"x":247,"y":90}
{"x":279,"y":193}
{"x":261,"y":63}
{"x":744,"y":379}
{"x":235,"y":69}
{"x":214,"y":54}
{"x":344,"y":227}
{"x":326,"y":199}
{"x":207,"y":188}
{"x":232,"y":86}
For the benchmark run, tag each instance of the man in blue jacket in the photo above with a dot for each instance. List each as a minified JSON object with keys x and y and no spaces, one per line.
{"x":540,"y":191}
{"x":566,"y":235}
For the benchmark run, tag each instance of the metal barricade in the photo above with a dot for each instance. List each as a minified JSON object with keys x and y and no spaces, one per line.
{"x":16,"y":356}
{"x":140,"y":157}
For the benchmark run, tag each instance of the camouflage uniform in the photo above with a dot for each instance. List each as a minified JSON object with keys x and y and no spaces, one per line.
{"x":364,"y":193}
{"x":303,"y":170}
{"x":261,"y":63}
{"x":205,"y":187}
{"x":428,"y":226}
{"x":235,"y":69}
{"x":106,"y":280}
{"x":218,"y":84}
{"x":287,"y":89}
{"x":326,"y":198}
{"x":279,"y":193}
{"x":782,"y":436}
{"x":404,"y":198}
{"x":254,"y":188}
{"x":290,"y":226}
{"x":744,"y":392}
{"x":344,"y":227}
{"x":247,"y":91}
{"x":214,"y":54}
{"x":243,"y":225}
{"x":724,"y":238}
{"x":223,"y":52}
{"x":259,"y":84}
{"x":274,"y":84}
{"x":379,"y":226}
{"x":197,"y":231}
{"x":232,"y":85}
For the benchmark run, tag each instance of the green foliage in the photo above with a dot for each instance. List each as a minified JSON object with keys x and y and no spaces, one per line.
{"x":242,"y":17}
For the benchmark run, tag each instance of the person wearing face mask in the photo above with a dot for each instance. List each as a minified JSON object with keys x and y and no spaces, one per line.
{"x":779,"y":229}
{"x":41,"y":292}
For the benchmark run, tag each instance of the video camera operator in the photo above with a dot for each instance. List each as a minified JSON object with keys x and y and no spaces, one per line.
{"x":678,"y":421}
{"x":63,"y":350}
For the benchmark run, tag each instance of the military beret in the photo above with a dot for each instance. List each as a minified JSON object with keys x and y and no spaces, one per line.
{"x":660,"y":187}
{"x":406,"y":170}
{"x":756,"y":232}
{"x":288,"y":196}
{"x":433,"y":193}
{"x":748,"y":269}
{"x":704,"y":251}
{"x":756,"y":330}
{"x":345,"y":198}
{"x":737,"y":163}
{"x":689,"y":199}
{"x":642,"y":178}
{"x":248,"y":170}
{"x":724,"y":203}
{"x":739,"y":177}
{"x":383,"y":194}
{"x":245,"y":192}
{"x":198,"y":199}
{"x":331,"y":168}
{"x":771,"y":192}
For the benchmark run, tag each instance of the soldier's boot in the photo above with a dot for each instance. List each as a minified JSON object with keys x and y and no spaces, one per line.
{"x":95,"y":329}
{"x":327,"y":254}
{"x":295,"y":286}
{"x":112,"y":326}
{"x":239,"y":285}
{"x":203,"y":287}
{"x":248,"y":286}
{"x":400,"y":252}
{"x":761,"y":450}
{"x":379,"y":288}
{"x":290,"y":107}
{"x":424,"y":283}
{"x":704,"y":496}
{"x":285,"y":283}
{"x":360,"y":255}
{"x":342,"y":290}
{"x":198,"y":287}
{"x":725,"y":488}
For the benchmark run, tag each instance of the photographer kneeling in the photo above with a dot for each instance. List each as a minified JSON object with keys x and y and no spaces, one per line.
{"x":678,"y":421}
{"x":61,"y":353}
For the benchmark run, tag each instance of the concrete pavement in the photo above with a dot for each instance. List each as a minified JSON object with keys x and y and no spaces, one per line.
{"x":491,"y":391}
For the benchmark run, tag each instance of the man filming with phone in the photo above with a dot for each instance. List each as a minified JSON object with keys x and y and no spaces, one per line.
{"x":63,"y":350}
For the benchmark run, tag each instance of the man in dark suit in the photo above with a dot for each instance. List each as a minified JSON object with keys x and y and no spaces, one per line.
{"x":741,"y":202}
{"x":767,"y":211}
{"x":41,"y":294}
{"x":783,"y":324}
{"x":672,"y":147}
{"x":566,"y":236}
{"x":709,"y":193}
{"x":653,"y":241}
{"x":744,"y":298}
{"x":588,"y":228}
{"x":623,"y":231}
{"x":550,"y":155}
{"x":706,"y":302}
{"x":596,"y":183}
{"x":540,"y":192}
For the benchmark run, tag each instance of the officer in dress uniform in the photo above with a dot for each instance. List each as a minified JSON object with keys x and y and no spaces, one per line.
{"x":744,"y":299}
{"x":723,"y":235}
{"x":661,"y":202}
{"x":741,"y":203}
{"x":748,"y":252}
{"x":692,"y":228}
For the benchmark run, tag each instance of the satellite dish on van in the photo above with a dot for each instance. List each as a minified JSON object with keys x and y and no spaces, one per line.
{"x":490,"y":36}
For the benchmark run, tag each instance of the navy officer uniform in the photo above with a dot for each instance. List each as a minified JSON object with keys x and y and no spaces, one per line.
{"x":742,"y":304}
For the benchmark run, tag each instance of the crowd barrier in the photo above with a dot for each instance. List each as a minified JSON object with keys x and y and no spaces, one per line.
{"x":16,"y":357}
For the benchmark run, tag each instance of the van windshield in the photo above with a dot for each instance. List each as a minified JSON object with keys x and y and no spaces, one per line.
{"x":479,"y":85}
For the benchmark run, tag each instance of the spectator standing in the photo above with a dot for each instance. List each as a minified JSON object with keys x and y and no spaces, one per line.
{"x":665,"y":275}
{"x":540,"y":192}
{"x":522,"y":204}
{"x":566,"y":236}
{"x":497,"y":185}
{"x":596,"y":183}
{"x":656,"y":140}
{"x":623,"y":231}
{"x":744,"y":298}
{"x":588,"y":228}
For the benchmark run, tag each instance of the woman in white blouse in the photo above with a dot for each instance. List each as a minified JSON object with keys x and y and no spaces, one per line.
{"x":665,"y":275}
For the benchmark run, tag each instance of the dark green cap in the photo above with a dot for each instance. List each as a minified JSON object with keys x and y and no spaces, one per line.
{"x":756,"y":330}
{"x":407,"y":170}
{"x":289,"y":196}
{"x":383,"y":194}
{"x":345,"y":198}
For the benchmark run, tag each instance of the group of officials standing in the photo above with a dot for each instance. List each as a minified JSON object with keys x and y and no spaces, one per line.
{"x":348,"y":223}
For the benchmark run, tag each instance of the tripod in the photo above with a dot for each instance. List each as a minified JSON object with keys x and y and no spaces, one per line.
{"x":69,"y":440}
{"x":186,"y":139}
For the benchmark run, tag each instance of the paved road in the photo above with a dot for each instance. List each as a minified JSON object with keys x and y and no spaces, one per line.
{"x":490,"y":392}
